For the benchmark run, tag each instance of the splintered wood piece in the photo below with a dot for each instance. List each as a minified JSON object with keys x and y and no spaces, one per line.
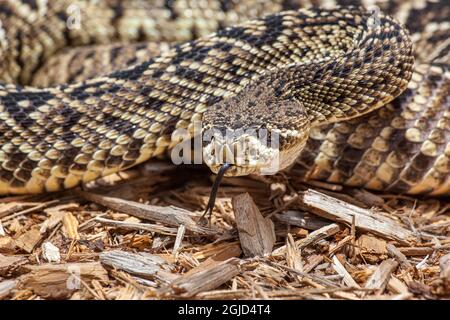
{"x":231,"y":251}
{"x":60,"y":281}
{"x":28,"y":210}
{"x":170,"y":215}
{"x":7,"y":244}
{"x":372,"y":249}
{"x":395,"y":253}
{"x":13,"y":207}
{"x":178,"y":240}
{"x":137,"y":226}
{"x":256,"y":233}
{"x":368,"y":198}
{"x":206,"y":279}
{"x":416,"y":251}
{"x":444,"y":264}
{"x":52,"y":221}
{"x":6,"y":287}
{"x":340,"y":269}
{"x":397,"y":286}
{"x":9,"y":265}
{"x":379,"y":279}
{"x":367,"y":220}
{"x":313,"y":261}
{"x":313,"y":237}
{"x":293,"y":255}
{"x":302,"y":220}
{"x":213,"y":249}
{"x":140,"y":264}
{"x":341,"y":244}
{"x":29,"y":240}
{"x":70,"y":226}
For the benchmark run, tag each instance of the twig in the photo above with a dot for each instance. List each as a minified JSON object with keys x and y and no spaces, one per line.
{"x":207,"y":279}
{"x":340,"y":211}
{"x":394,"y":252}
{"x":29,"y":210}
{"x":137,"y":226}
{"x":141,"y":264}
{"x":166,"y":215}
{"x":302,"y":220}
{"x":313,"y":237}
{"x":340,"y":269}
{"x":380,"y":277}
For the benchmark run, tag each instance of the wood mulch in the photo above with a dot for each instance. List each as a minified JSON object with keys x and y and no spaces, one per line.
{"x":140,"y":235}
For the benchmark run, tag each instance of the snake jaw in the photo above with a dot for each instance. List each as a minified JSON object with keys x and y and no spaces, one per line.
{"x":246,"y":154}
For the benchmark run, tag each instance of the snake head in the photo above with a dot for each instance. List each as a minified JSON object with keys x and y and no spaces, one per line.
{"x":255,"y":132}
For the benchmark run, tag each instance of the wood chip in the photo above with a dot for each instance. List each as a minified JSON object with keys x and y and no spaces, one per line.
{"x":381,"y":276}
{"x":137,"y":226}
{"x":293,"y":255}
{"x":368,"y":198}
{"x":9,"y":265}
{"x":397,"y":286}
{"x":56,"y":215}
{"x":444,"y":264}
{"x":13,"y":207}
{"x":341,"y":244}
{"x":313,"y":261}
{"x":366,"y":220}
{"x":140,"y":264}
{"x":6,"y":287}
{"x":60,"y":281}
{"x":230,"y":251}
{"x":2,"y":230}
{"x":7,"y":244}
{"x":371,"y":248}
{"x":29,"y":240}
{"x":50,"y":252}
{"x":29,"y":210}
{"x":395,"y":253}
{"x":70,"y":226}
{"x":206,"y":279}
{"x":302,"y":220}
{"x":416,"y":251}
{"x":171,"y":216}
{"x":178,"y":240}
{"x":313,"y":237}
{"x":256,"y":233}
{"x":340,"y":269}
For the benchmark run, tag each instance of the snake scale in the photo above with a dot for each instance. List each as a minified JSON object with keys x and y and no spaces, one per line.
{"x":112,"y":91}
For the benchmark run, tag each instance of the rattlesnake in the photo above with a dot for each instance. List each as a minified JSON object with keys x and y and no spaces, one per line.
{"x":284,"y":69}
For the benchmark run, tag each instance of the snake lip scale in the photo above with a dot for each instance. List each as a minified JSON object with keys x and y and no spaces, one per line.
{"x":336,"y":85}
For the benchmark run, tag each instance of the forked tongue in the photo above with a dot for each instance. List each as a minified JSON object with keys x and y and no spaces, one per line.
{"x":215,"y":188}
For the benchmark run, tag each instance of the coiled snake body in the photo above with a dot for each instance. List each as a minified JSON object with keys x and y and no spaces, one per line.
{"x":335,"y":69}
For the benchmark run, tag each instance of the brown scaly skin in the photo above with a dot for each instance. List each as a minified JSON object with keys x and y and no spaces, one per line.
{"x":57,"y":168}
